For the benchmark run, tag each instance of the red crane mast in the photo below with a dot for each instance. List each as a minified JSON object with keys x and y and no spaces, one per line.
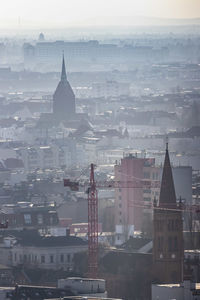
{"x":92,"y":226}
{"x":92,"y":186}
{"x":93,"y":211}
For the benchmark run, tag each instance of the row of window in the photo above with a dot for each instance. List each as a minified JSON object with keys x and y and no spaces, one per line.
{"x":172,"y":243}
{"x":153,"y":176}
{"x":147,"y":191}
{"x":40,"y":219}
{"x":172,"y":225}
{"x":147,"y":199}
{"x":31,"y":258}
{"x":28,"y":220}
{"x":195,"y":257}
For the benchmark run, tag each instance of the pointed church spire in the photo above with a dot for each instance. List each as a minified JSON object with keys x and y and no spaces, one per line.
{"x":63,"y":73}
{"x":167,"y":191}
{"x":167,"y":143}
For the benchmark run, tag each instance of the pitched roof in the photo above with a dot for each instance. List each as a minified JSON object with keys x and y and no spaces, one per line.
{"x":32,"y":238}
{"x":167,"y":191}
{"x":53,"y":241}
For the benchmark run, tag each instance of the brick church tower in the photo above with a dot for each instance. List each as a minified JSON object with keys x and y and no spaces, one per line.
{"x":64,"y":98}
{"x":168,"y":231}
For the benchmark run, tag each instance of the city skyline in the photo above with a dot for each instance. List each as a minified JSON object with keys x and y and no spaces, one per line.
{"x":93,"y":201}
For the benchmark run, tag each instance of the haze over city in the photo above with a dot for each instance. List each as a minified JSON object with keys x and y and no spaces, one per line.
{"x":100,"y":150}
{"x":61,"y":13}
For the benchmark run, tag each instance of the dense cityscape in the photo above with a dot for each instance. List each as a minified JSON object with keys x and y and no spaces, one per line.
{"x":100,"y":165}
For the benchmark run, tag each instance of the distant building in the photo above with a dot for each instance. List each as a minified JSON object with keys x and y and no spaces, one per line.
{"x":29,"y":54}
{"x":53,"y":156}
{"x":41,"y":37}
{"x":110,"y":89}
{"x":94,"y":55}
{"x":64,"y":98}
{"x":168,"y":231}
{"x":47,"y":52}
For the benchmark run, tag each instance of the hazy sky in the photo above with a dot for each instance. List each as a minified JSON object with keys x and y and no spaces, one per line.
{"x":78,"y":12}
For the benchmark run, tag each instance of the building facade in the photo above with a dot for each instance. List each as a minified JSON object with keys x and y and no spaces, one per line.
{"x":32,"y":251}
{"x":132,"y":202}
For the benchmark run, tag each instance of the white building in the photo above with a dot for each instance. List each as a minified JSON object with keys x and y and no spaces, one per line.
{"x":52,"y":253}
{"x":84,"y":286}
{"x":53,"y":258}
{"x":45,"y":157}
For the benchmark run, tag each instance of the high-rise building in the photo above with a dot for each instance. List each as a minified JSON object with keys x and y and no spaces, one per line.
{"x":168,"y":231}
{"x":131,"y":202}
{"x":64,"y":98}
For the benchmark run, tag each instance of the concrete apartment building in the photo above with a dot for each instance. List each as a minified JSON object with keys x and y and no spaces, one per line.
{"x":130,"y":203}
{"x":133,"y":206}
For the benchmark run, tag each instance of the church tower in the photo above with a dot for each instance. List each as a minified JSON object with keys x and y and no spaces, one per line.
{"x":63,"y":98}
{"x":168,"y":231}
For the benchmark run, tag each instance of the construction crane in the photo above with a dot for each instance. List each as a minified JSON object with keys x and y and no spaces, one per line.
{"x":92,"y":227}
{"x":92,"y":186}
{"x":92,"y":221}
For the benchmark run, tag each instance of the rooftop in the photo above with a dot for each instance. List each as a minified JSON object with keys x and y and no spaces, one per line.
{"x":32,"y":238}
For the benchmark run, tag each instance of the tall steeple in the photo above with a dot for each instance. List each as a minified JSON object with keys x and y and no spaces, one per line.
{"x":64,"y":107}
{"x":167,"y":191}
{"x":168,"y":250}
{"x":63,"y":73}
